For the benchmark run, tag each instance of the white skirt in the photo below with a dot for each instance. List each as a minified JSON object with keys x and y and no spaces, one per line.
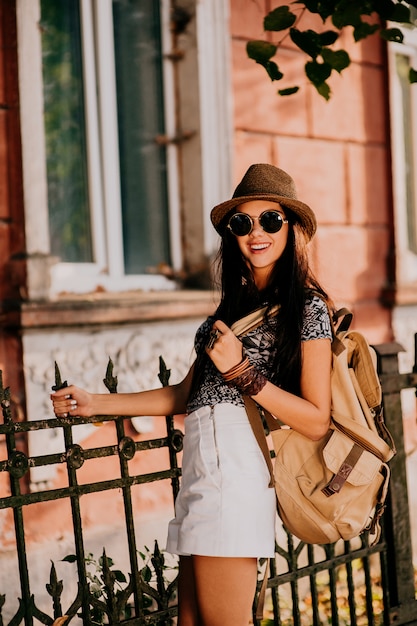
{"x":224,"y":506}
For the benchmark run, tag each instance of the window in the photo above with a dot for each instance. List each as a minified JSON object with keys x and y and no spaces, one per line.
{"x":65,"y":132}
{"x":130,"y":121}
{"x":103,"y":112}
{"x":403,"y":98}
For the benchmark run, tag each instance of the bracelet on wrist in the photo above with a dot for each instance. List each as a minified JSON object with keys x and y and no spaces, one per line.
{"x":252,"y":383}
{"x":245,"y":378}
{"x":237,"y":370}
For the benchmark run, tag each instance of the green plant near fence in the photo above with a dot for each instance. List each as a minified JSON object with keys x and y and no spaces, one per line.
{"x":110,"y":586}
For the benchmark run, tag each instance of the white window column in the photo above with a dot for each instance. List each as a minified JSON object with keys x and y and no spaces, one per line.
{"x":35,"y":189}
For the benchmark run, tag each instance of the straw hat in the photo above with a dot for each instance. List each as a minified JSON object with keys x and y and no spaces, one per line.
{"x":266,"y":182}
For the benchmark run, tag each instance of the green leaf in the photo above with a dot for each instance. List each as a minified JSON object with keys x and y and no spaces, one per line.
{"x":385,"y":8}
{"x":400,"y":13}
{"x":328,"y":37}
{"x":95,"y":589}
{"x":324,"y":90}
{"x":108,"y":559}
{"x":279,"y":19}
{"x":70,"y":558}
{"x":363,"y":30}
{"x":392,"y":34}
{"x":146,"y":573}
{"x":260,"y":51}
{"x":273,"y":70}
{"x":327,"y":8}
{"x":311,"y":5}
{"x":346,"y":15}
{"x":324,"y":8}
{"x":338,"y":59}
{"x":120,"y":577}
{"x":412,"y":75}
{"x":317,"y":73}
{"x":288,"y":91}
{"x":94,"y":579}
{"x":308,"y":41}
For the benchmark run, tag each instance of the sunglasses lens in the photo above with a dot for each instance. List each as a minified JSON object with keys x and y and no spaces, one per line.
{"x":271,"y":221}
{"x":240,"y":224}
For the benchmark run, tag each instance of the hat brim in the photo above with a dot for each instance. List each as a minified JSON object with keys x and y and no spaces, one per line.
{"x":303,"y":214}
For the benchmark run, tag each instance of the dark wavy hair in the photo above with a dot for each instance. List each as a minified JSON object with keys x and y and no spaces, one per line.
{"x":290,"y":282}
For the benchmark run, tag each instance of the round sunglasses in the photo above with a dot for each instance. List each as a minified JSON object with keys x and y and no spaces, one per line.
{"x":241,"y":224}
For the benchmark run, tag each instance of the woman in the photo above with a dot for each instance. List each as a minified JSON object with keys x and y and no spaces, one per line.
{"x":225,"y":511}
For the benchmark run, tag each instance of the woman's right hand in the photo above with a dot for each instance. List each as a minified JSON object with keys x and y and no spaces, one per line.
{"x":72,"y":401}
{"x":225,"y":349}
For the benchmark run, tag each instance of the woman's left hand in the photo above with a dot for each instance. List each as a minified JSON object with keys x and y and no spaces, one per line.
{"x":223,"y":347}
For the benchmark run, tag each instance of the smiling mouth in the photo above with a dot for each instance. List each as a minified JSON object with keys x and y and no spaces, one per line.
{"x":259,"y":246}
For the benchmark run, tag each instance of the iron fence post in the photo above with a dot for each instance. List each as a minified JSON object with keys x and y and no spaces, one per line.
{"x":396,"y":519}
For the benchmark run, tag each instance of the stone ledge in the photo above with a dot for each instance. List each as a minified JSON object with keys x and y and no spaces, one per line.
{"x":406,"y":294}
{"x":109,"y":309}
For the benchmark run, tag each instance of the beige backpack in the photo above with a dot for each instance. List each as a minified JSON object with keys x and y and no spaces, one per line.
{"x":334,"y":488}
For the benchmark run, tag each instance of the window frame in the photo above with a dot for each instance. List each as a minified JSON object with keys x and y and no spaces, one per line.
{"x":47,"y":276}
{"x":406,"y":258}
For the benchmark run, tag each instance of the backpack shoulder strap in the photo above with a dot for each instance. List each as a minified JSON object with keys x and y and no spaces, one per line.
{"x":341,"y":321}
{"x":252,"y":320}
{"x":258,"y":430}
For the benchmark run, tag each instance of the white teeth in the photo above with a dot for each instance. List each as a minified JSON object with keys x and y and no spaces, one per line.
{"x":259,"y":246}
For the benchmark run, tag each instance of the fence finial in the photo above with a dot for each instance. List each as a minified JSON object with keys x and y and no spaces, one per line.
{"x":58,"y":380}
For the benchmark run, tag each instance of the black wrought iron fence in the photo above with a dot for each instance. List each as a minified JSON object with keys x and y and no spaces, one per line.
{"x":347,"y":583}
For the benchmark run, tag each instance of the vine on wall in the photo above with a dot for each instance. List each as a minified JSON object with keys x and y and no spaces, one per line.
{"x":363,"y":17}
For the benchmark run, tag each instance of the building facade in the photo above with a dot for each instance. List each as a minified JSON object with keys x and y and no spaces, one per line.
{"x":121,"y":124}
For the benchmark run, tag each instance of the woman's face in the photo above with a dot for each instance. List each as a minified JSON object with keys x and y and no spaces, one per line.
{"x":260,"y":248}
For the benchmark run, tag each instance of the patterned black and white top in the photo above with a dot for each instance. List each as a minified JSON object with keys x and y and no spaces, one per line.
{"x":259,"y":348}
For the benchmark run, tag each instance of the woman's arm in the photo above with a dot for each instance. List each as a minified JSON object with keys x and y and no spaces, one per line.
{"x":171,"y":400}
{"x":310,"y":414}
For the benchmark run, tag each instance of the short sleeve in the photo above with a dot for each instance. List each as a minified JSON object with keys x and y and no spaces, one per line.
{"x":202,"y":333}
{"x":316,"y":324}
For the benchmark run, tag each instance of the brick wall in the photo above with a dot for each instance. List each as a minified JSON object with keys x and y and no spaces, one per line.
{"x":12,"y":243}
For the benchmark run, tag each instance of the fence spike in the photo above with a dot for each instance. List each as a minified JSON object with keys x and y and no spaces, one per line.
{"x":164,"y":373}
{"x":58,"y":380}
{"x":110,"y":381}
